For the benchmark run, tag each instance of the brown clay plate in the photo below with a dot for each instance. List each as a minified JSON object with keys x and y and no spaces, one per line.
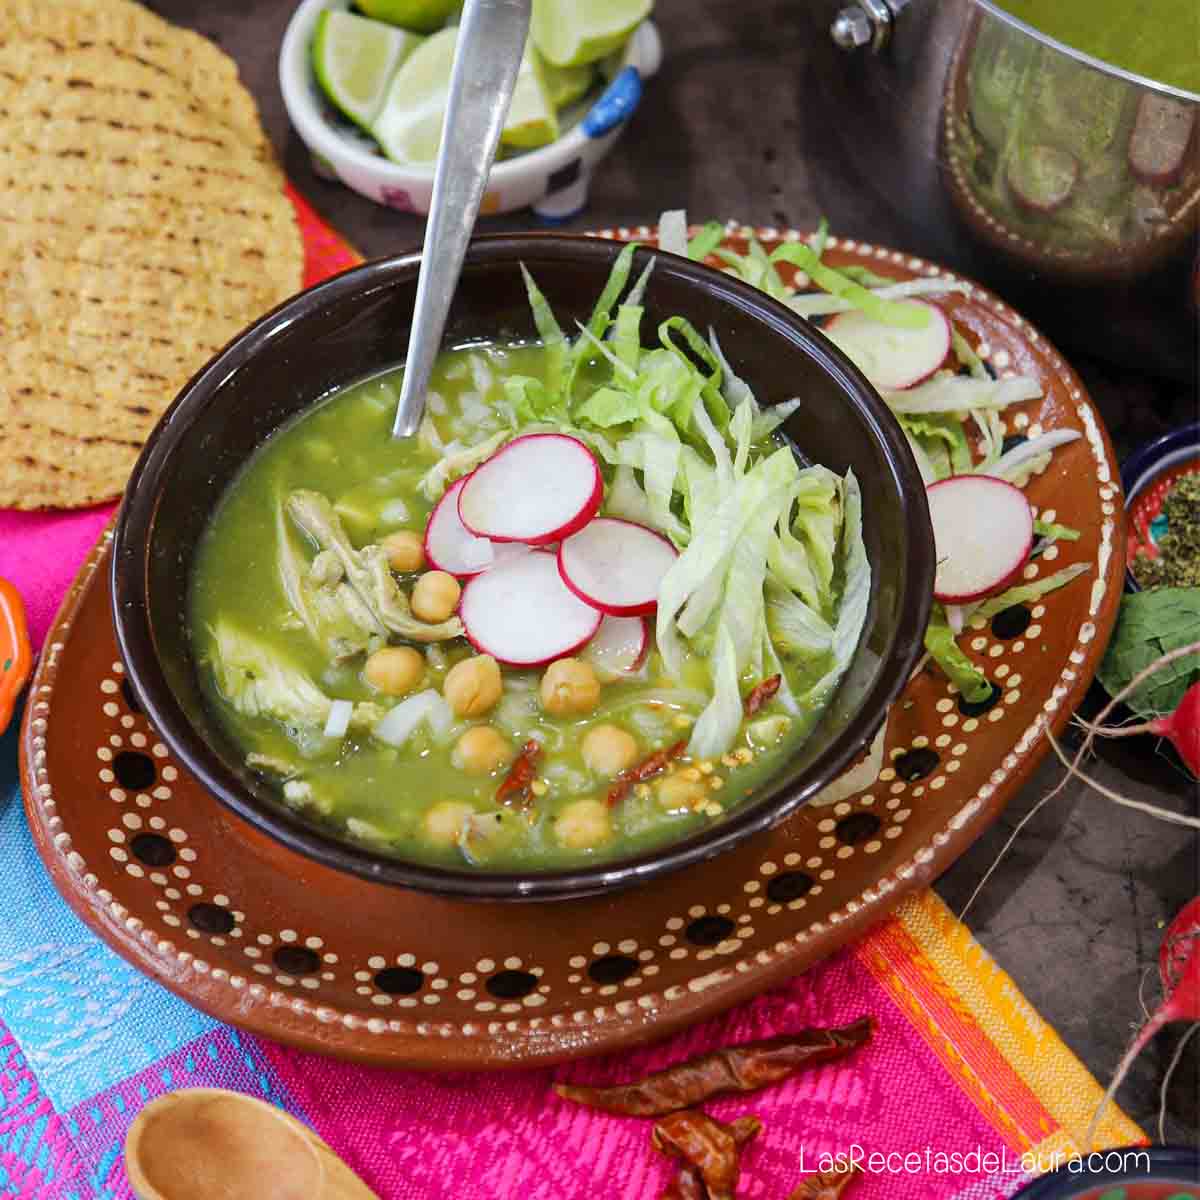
{"x":264,"y":939}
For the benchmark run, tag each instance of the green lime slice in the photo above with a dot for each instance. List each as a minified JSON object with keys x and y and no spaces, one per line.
{"x":420,"y":16}
{"x":409,"y":125}
{"x":565,"y":85}
{"x":570,"y":33}
{"x":354,"y":58}
{"x":531,"y":118}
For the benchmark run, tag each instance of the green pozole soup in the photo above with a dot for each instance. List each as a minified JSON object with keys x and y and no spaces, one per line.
{"x":587,"y":610}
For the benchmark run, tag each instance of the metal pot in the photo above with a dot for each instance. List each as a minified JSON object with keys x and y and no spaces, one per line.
{"x":1069,"y":186}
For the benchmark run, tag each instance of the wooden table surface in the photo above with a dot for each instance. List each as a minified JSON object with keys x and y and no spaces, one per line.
{"x":1075,"y":912}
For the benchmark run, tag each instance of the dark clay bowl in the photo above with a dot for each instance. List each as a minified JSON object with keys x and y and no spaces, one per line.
{"x":357,"y":323}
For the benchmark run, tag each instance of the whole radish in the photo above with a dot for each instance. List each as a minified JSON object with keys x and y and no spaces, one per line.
{"x":1179,"y":969}
{"x":1181,"y":727}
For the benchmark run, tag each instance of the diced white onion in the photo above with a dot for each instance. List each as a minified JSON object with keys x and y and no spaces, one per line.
{"x":440,"y":716}
{"x":399,"y":724}
{"x":338,"y":721}
{"x":394,"y":512}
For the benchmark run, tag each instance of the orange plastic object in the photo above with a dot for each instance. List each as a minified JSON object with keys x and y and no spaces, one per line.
{"x":16,"y":657}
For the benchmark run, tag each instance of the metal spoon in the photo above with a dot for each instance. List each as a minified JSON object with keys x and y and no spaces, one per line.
{"x":491,"y":40}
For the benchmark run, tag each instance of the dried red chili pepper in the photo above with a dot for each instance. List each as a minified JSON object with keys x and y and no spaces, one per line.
{"x":688,"y":1183}
{"x":762,"y":694}
{"x":826,"y":1185}
{"x":520,"y":774}
{"x":744,"y":1068}
{"x":707,"y":1146}
{"x":644,"y":770}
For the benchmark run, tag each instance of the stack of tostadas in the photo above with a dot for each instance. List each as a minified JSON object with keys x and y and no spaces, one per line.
{"x":143,"y":223}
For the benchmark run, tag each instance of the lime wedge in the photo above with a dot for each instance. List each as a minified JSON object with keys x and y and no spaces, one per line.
{"x":566,"y":84}
{"x":354,"y":59}
{"x":421,"y":16}
{"x":531,"y":118}
{"x":409,"y":125}
{"x":569,"y":33}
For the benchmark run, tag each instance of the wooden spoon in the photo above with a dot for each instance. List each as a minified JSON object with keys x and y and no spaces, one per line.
{"x":211,"y":1144}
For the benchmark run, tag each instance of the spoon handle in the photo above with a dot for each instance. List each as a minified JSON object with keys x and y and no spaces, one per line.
{"x":491,"y":40}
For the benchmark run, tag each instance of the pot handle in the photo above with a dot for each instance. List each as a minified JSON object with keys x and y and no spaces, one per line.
{"x":867,"y":23}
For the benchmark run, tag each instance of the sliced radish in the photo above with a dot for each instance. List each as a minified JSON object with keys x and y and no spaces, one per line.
{"x":449,"y":545}
{"x":892,"y":358}
{"x":1042,"y":178}
{"x":982,"y":534}
{"x":1158,"y":144}
{"x":616,"y":566}
{"x":521,"y":613}
{"x":619,"y":647}
{"x":537,"y":489}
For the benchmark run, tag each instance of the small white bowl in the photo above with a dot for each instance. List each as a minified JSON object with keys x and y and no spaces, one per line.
{"x":553,"y":180}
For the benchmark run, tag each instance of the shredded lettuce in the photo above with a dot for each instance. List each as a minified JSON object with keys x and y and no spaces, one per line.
{"x":1023,"y":593}
{"x":548,"y":327}
{"x":950,"y":436}
{"x":1054,"y":532}
{"x":772,"y":574}
{"x":889,"y":312}
{"x":822,"y":304}
{"x":706,"y":241}
{"x":627,"y":499}
{"x":932,"y":464}
{"x":795,"y":628}
{"x":1031,"y":455}
{"x":718,"y":725}
{"x":965,"y":353}
{"x":855,"y":599}
{"x":735,"y":390}
{"x":959,"y":393}
{"x":768,"y":421}
{"x":961,"y":671}
{"x":672,"y":232}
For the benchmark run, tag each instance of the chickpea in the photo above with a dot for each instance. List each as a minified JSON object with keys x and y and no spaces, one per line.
{"x":394,"y":670}
{"x":435,"y":596}
{"x":569,"y":688}
{"x":583,"y":824}
{"x":444,"y":821}
{"x":482,"y":750}
{"x":405,"y":550}
{"x":675,"y":792}
{"x":608,"y":749}
{"x":473,"y":686}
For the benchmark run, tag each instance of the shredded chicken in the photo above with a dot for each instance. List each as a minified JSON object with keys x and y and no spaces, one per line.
{"x":367,"y":571}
